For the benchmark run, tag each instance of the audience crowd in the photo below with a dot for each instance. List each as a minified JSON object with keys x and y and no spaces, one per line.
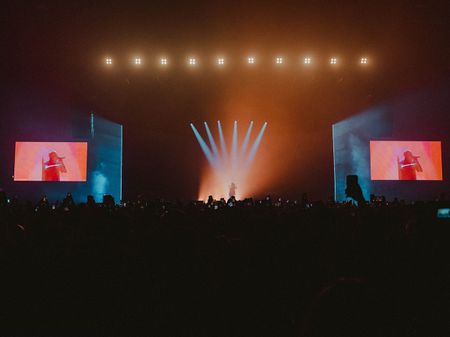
{"x":269,"y":267}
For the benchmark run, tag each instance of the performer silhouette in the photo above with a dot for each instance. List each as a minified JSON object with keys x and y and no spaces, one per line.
{"x":52,"y":169}
{"x":408,"y":167}
{"x":232,"y":192}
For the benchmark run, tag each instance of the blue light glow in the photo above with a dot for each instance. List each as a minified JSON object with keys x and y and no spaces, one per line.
{"x":234,"y":158}
{"x":212,"y":142}
{"x":246,"y":139}
{"x":204,"y":147}
{"x":233,"y":167}
{"x":223,"y":145}
{"x":255,"y":145}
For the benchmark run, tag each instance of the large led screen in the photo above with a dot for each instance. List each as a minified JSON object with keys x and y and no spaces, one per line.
{"x":405,"y":160}
{"x":50,"y":161}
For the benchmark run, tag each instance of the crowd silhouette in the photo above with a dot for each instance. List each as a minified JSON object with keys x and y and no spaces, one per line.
{"x":269,"y":267}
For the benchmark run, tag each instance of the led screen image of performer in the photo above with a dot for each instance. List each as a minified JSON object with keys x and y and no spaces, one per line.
{"x":52,"y":169}
{"x":408,"y":167}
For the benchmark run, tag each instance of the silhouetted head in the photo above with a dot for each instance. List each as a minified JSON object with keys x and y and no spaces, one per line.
{"x":53,"y":156}
{"x":408,"y":155}
{"x":210,"y":199}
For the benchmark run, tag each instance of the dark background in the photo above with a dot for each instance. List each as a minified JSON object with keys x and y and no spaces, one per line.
{"x":51,"y":65}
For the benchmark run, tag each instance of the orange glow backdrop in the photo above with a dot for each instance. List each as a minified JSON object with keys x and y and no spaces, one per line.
{"x":383,"y":158}
{"x":269,"y":163}
{"x":29,"y":157}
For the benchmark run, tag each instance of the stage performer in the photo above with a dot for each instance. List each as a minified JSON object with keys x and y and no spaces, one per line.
{"x":52,"y":169}
{"x":408,"y":167}
{"x":232,"y":192}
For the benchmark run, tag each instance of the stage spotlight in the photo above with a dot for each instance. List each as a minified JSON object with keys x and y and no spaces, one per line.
{"x":251,"y":60}
{"x":108,"y":61}
{"x":192,"y":61}
{"x":220,"y":61}
{"x":333,"y":60}
{"x":307,"y":60}
{"x":163,"y":61}
{"x":363,"y":60}
{"x":232,"y":165}
{"x":137,"y":61}
{"x":205,"y":148}
{"x":279,"y":60}
{"x":255,"y":146}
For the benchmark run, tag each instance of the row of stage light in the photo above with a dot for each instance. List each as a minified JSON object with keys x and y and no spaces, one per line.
{"x":221,"y":61}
